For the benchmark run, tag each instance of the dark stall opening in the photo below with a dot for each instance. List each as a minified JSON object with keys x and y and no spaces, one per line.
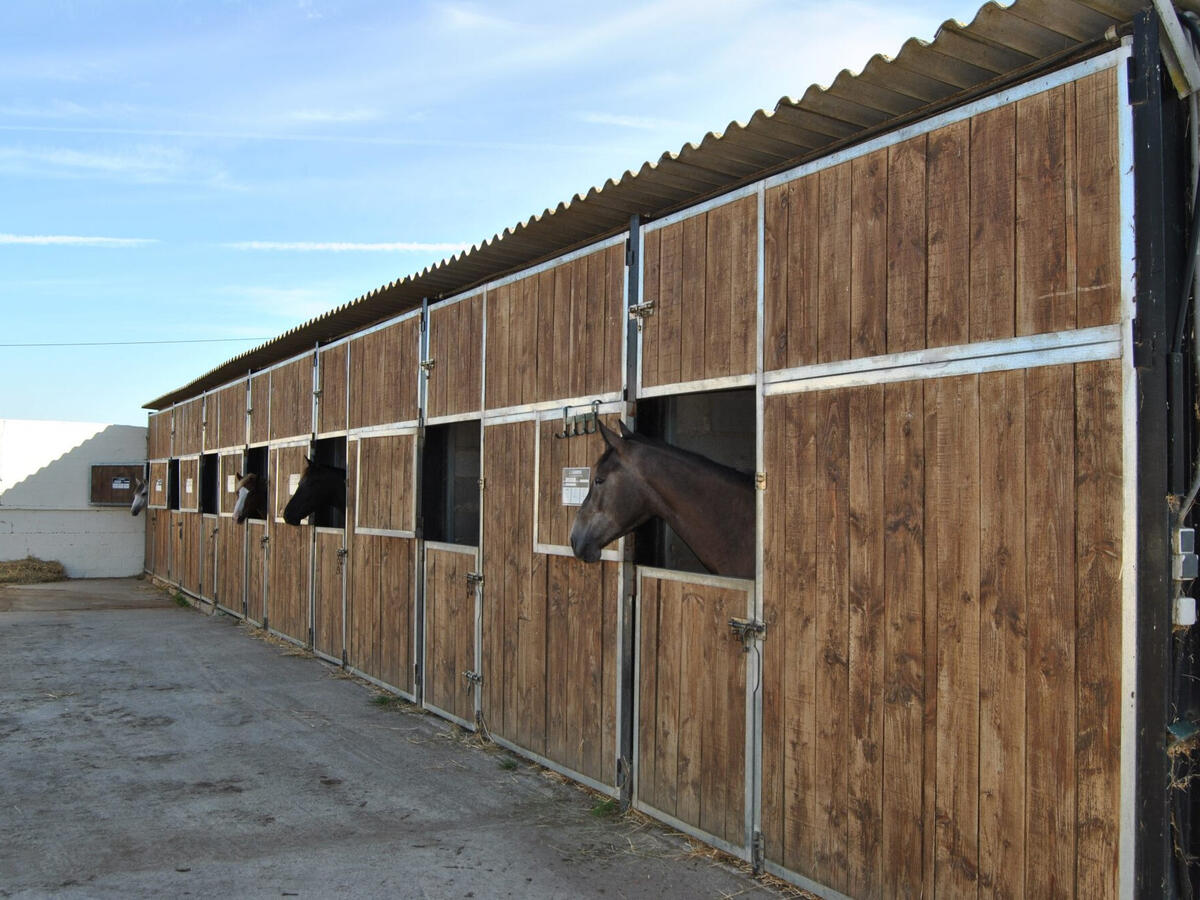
{"x":330,"y":452}
{"x":716,"y":424}
{"x":210,"y":484}
{"x":172,"y":484}
{"x":255,"y":461}
{"x":450,"y":483}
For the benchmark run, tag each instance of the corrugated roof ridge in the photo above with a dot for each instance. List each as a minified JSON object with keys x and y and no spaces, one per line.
{"x":811,"y":97}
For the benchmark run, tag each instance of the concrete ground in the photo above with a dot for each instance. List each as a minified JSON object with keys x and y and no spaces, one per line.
{"x":152,"y":750}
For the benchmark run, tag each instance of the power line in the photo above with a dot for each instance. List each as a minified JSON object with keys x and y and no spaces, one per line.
{"x":131,"y":343}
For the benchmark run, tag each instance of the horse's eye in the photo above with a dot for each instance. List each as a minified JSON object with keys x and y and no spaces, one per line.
{"x":598,"y":480}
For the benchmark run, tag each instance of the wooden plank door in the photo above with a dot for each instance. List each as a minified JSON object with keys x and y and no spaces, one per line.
{"x":690,"y":765}
{"x":451,"y":603}
{"x":231,"y":566}
{"x":329,"y":592}
{"x":256,"y":571}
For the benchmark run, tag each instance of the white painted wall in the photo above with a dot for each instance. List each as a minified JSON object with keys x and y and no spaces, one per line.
{"x":45,"y":480}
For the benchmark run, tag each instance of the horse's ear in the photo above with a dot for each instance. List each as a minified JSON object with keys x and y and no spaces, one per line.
{"x":237,"y":475}
{"x":625,"y":432}
{"x":609,"y":437}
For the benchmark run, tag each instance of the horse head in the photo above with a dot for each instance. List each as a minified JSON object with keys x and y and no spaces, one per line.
{"x":618,"y":498}
{"x":319,"y":486}
{"x":141,"y":496}
{"x":252,"y":498}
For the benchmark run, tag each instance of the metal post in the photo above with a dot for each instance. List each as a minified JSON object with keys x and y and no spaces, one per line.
{"x":418,"y":672}
{"x":627,"y":609}
{"x":1157,"y":214}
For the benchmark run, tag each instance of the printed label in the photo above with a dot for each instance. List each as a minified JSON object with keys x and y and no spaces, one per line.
{"x":230,"y":484}
{"x":187,"y":486}
{"x":293,"y":483}
{"x":120,"y":484}
{"x":575,"y":481}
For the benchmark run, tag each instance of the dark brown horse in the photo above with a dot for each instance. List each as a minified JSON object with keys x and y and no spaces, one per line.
{"x":710,"y":506}
{"x":252,"y":498}
{"x":320,"y":487}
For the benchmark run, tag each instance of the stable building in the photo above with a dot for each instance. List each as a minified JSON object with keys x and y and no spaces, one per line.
{"x":939,"y":310}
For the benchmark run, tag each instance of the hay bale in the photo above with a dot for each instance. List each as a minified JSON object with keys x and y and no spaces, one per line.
{"x":31,"y":570}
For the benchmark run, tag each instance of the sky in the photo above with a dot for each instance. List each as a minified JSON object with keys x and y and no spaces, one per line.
{"x":181,"y":180}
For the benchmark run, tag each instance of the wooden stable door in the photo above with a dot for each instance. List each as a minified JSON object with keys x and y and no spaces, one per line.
{"x":451,"y":605}
{"x":329,"y":582}
{"x":691,"y":696}
{"x":231,"y":566}
{"x":256,"y":571}
{"x":942,"y":662}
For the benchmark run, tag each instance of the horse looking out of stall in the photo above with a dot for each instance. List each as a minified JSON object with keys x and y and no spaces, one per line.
{"x":141,"y":496}
{"x":320,"y":486}
{"x":252,"y":498}
{"x":710,"y":506}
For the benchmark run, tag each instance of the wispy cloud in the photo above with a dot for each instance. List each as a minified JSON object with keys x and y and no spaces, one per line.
{"x":645,"y":123}
{"x":47,"y":240}
{"x":344,"y":246}
{"x":148,"y":164}
{"x":333,"y":116}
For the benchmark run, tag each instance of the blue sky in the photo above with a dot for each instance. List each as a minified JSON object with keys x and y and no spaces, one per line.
{"x":226,"y":169}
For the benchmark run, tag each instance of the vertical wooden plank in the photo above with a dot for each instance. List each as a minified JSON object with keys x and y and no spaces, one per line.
{"x":1050,"y":588}
{"x":669,"y":709}
{"x":547,"y":348}
{"x":906,"y":246}
{"x":804,"y":270}
{"x":864,"y":710}
{"x":929,"y":656}
{"x":1098,"y":224}
{"x":953,"y":487}
{"x":868,"y":267}
{"x":651,"y":336}
{"x":649,"y":612}
{"x":1045,"y":288}
{"x":495,"y":440}
{"x":670,"y":324}
{"x":1002,"y":630}
{"x":527,"y":307}
{"x":737,"y":604}
{"x":904,"y":676}
{"x":775,"y":277}
{"x":835,"y":263}
{"x":557,"y":661}
{"x":683,"y":611}
{"x":832,"y":508}
{"x":743,"y":341}
{"x":802,"y":820}
{"x":579,"y":327}
{"x":993,"y":214}
{"x":710,"y":665}
{"x":594,"y":320}
{"x":563,"y":286}
{"x":609,"y":750}
{"x":693,"y":328}
{"x":591,"y":669}
{"x":1098,"y":490}
{"x":949,"y":212}
{"x":718,"y":292}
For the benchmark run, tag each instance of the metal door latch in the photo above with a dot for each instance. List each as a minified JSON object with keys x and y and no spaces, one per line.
{"x":427,"y":366}
{"x":472,"y":678}
{"x":747,"y":630}
{"x":641,"y":312}
{"x":264,"y":540}
{"x":474,"y":577}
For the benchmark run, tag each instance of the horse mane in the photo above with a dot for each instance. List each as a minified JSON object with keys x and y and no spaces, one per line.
{"x":730,"y":473}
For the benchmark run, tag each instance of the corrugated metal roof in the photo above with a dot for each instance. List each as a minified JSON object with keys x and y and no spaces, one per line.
{"x":1002,"y":44}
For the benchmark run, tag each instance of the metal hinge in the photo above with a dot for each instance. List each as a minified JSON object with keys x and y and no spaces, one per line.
{"x":317,"y":392}
{"x":748,"y":630}
{"x":760,"y":480}
{"x":483,"y":484}
{"x":472,"y":677}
